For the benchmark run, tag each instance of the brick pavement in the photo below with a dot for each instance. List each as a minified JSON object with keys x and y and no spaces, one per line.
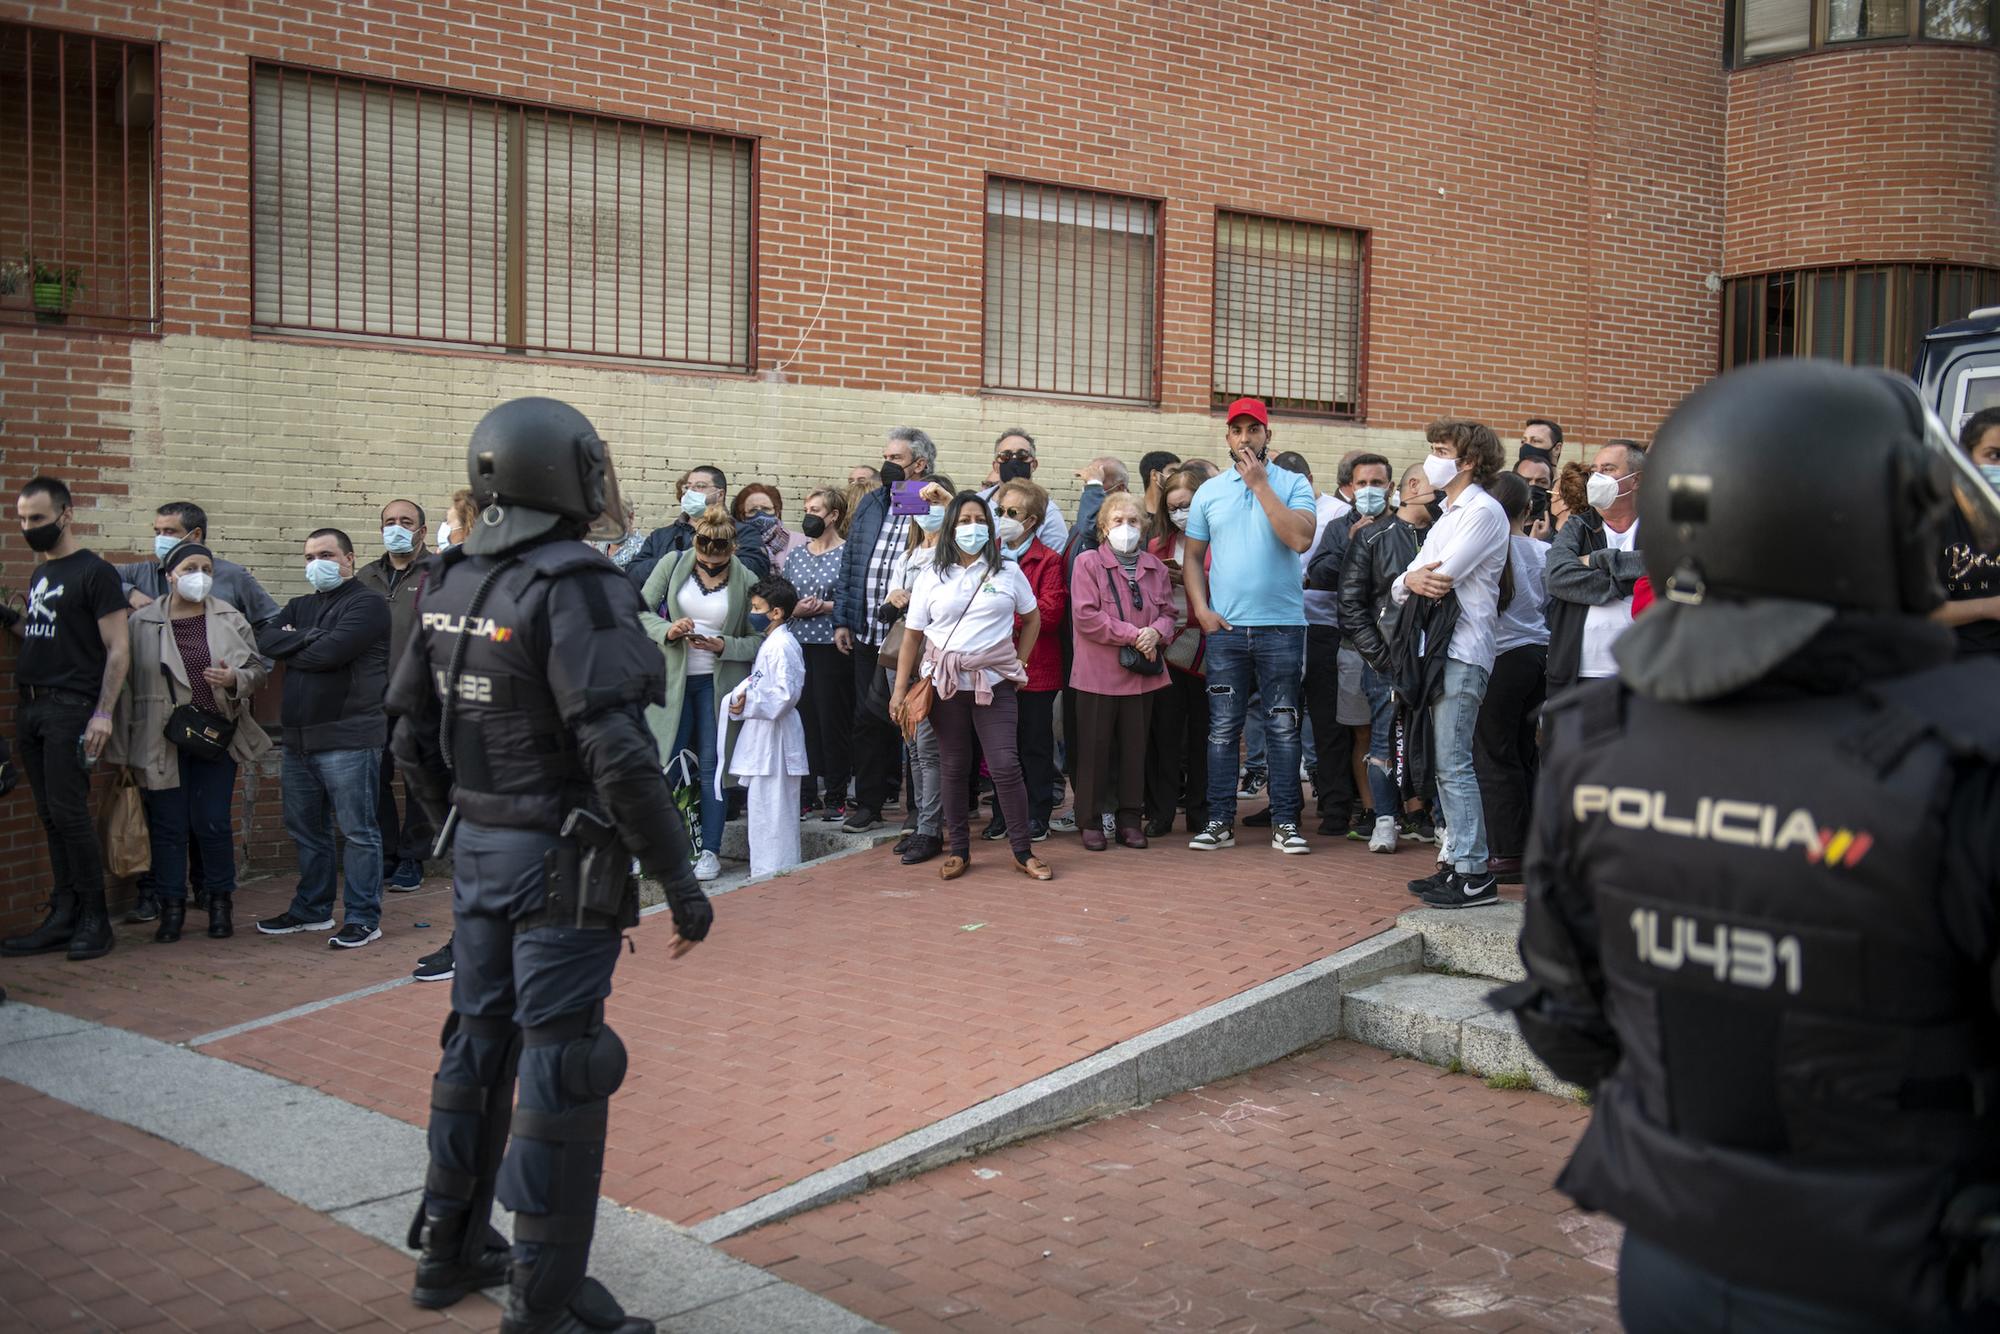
{"x":839,"y":1007}
{"x":1339,"y":1189}
{"x":103,"y":1227}
{"x":197,"y":985}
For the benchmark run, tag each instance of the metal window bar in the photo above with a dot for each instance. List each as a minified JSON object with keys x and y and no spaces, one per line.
{"x":1287,"y":323}
{"x":452,"y":237}
{"x":77,"y":185}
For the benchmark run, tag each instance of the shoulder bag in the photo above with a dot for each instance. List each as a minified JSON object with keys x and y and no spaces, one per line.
{"x":1129,"y":657}
{"x":917,"y":700}
{"x":199,"y":734}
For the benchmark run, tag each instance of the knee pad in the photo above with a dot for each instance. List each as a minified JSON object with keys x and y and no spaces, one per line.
{"x":593,"y":1065}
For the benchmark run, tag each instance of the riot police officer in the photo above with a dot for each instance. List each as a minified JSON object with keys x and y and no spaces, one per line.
{"x":1763,"y":884}
{"x":521,"y":700}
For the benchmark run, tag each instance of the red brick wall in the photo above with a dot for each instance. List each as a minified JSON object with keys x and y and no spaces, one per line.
{"x":1517,"y":164}
{"x":1888,"y":153}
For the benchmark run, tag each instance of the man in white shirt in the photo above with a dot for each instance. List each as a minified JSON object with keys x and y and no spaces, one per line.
{"x":1593,"y":565}
{"x":1463,"y":554}
{"x":1014,"y":459}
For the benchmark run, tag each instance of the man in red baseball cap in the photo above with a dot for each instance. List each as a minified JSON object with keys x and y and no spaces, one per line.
{"x":1245,"y":531}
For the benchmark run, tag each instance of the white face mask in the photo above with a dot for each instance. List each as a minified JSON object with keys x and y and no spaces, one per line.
{"x":1010,"y":531}
{"x":1439,"y":472}
{"x":1602,"y":490}
{"x":1180,"y":516}
{"x":1125,"y":538}
{"x":194,"y":585}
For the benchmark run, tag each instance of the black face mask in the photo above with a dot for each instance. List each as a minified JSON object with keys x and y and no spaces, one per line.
{"x":892,"y":472}
{"x":812,"y":525}
{"x":712,"y":567}
{"x":43,"y":537}
{"x":1015,"y":470}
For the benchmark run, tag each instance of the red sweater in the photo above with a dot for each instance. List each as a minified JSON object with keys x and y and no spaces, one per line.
{"x":1044,"y":571}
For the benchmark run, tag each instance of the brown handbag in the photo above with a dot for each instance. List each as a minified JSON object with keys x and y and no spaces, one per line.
{"x":918,"y":698}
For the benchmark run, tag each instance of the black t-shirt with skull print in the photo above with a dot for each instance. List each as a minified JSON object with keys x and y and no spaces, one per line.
{"x":60,"y":645}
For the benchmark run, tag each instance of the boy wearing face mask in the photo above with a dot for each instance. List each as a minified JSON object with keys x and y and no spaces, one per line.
{"x":1593,"y":565}
{"x":334,"y":642}
{"x":770,"y":751}
{"x":399,"y":577}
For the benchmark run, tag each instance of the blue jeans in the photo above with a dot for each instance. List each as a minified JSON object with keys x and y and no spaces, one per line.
{"x":1454,"y":716}
{"x":343,"y":784}
{"x":1266,"y":660}
{"x":1383,"y":790}
{"x":698,"y":729}
{"x":196,"y":812}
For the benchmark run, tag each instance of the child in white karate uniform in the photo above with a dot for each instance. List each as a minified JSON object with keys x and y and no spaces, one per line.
{"x":770,"y":754}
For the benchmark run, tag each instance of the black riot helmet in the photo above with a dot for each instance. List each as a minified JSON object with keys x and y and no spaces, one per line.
{"x":535,"y":463}
{"x":1778,"y":498}
{"x":1801,"y":480}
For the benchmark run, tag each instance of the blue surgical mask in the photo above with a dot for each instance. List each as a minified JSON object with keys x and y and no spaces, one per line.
{"x":323,"y":575}
{"x":972,"y":537}
{"x":1991,"y":472}
{"x":1371,"y":500}
{"x":759,"y":622}
{"x":162,"y":545}
{"x":693,"y":503}
{"x":398,"y":540}
{"x":932,"y":521}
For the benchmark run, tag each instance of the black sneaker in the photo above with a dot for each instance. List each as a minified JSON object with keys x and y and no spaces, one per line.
{"x":145,"y":908}
{"x":1437,"y":880}
{"x":1423,"y":828}
{"x":922,"y":848}
{"x":1362,"y":827}
{"x":1253,"y":782}
{"x":352,"y":936}
{"x":436,"y":966}
{"x":284,"y":924}
{"x":1038,"y":831}
{"x":1464,"y":891}
{"x":1261,"y":820}
{"x":408,"y":875}
{"x":860,"y":819}
{"x":996,"y":829}
{"x":835,"y":812}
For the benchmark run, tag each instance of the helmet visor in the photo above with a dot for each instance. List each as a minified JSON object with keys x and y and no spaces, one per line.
{"x":611,"y":524}
{"x":1972,"y":495}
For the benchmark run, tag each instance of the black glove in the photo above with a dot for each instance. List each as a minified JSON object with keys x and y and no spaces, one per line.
{"x":888,"y":613}
{"x":690,"y":907}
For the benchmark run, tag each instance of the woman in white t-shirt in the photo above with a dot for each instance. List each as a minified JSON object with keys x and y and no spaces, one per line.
{"x":698,"y":612}
{"x":961,"y":621}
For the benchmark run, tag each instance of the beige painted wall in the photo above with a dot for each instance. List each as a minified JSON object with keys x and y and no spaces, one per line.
{"x":277,"y":438}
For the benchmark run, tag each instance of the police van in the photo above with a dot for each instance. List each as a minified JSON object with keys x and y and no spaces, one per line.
{"x":1958,"y":367}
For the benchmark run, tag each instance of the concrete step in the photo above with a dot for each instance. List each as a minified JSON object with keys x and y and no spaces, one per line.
{"x":1474,"y":942}
{"x":816,"y":840}
{"x":1444,"y":1020}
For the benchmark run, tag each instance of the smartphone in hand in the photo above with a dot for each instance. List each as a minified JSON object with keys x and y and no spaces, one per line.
{"x":907,"y":498}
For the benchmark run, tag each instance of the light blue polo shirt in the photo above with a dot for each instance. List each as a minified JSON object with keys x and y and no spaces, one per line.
{"x":1253,"y":578}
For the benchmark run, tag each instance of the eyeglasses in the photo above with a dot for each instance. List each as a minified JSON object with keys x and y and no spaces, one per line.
{"x":715,"y":546}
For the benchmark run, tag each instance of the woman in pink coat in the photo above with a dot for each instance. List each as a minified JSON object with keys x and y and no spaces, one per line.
{"x":1120,"y":599}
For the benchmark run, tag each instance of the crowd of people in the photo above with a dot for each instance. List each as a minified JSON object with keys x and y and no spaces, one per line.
{"x":1200,"y":635}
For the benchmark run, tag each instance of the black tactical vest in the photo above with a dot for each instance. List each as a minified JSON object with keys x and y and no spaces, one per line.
{"x":513,"y":761}
{"x":1808,"y":1069}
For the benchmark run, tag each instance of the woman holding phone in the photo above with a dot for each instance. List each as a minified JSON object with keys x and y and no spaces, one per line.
{"x":698,"y":612}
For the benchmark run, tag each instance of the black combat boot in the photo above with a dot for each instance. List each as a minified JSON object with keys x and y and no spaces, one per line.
{"x":221,"y":916}
{"x":590,"y":1310}
{"x":444,"y":1274}
{"x":92,"y":939}
{"x":53,"y":934}
{"x":173,"y":914}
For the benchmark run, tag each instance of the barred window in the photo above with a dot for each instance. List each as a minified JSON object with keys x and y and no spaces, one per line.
{"x":1864,"y":315}
{"x":381,"y":210}
{"x":79,"y":238}
{"x":1072,"y":292}
{"x":1287,"y":314}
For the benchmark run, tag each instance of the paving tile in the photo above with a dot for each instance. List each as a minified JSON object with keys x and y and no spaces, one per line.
{"x":1299,"y":1216}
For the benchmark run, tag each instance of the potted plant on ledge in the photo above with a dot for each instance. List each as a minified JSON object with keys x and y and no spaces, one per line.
{"x":54,"y":286}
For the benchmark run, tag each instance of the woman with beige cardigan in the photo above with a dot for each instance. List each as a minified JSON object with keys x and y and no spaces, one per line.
{"x":189,"y":648}
{"x":698,"y":612}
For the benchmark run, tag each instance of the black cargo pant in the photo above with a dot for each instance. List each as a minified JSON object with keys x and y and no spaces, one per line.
{"x":49,"y":726}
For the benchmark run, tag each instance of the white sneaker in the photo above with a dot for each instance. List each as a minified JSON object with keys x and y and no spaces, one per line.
{"x":707,"y":867}
{"x":1384,"y":838}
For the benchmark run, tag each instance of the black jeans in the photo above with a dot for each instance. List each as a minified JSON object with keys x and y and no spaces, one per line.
{"x":1333,"y":740}
{"x":404,"y":839}
{"x":1036,"y":741}
{"x":49,"y":729}
{"x":877,"y":743}
{"x":1503,"y":746}
{"x":827,"y":709}
{"x":194,"y":815}
{"x":1177,"y":752}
